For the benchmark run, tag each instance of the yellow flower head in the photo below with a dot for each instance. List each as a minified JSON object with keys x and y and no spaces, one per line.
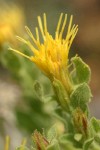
{"x":11,"y":22}
{"x":51,"y":55}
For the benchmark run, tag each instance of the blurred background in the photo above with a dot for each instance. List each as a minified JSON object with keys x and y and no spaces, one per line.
{"x":20,"y":111}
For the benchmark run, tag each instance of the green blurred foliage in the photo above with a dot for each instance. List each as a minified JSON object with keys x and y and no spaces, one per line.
{"x":30,"y":109}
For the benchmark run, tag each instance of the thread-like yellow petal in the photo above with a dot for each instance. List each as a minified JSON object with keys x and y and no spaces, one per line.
{"x":17,"y":51}
{"x":63,"y":26}
{"x":59,"y":23}
{"x":30,"y":34}
{"x":45,"y":23}
{"x":41,"y":27}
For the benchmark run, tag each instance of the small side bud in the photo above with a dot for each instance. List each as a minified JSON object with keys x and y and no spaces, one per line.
{"x":40,"y":141}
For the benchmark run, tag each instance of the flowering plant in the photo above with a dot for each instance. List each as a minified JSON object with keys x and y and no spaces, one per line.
{"x":69,"y":80}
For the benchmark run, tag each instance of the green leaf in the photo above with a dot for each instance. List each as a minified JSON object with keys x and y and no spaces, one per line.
{"x":67,"y":142}
{"x":82,"y":72}
{"x":38,"y":89}
{"x":95,"y":124}
{"x":52,"y":133}
{"x":61,"y":94}
{"x":95,"y":130}
{"x":87,"y":144}
{"x":22,"y":148}
{"x":78,"y":137}
{"x":92,"y":144}
{"x":53,"y":146}
{"x":80,"y":95}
